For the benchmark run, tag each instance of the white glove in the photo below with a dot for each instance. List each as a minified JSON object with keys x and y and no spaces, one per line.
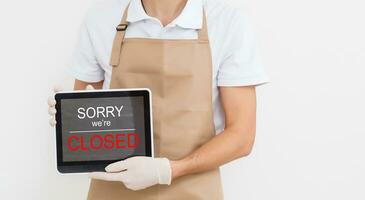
{"x":52,"y":103}
{"x":137,"y":173}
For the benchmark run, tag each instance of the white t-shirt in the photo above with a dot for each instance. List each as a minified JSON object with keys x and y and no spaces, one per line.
{"x":235,"y":58}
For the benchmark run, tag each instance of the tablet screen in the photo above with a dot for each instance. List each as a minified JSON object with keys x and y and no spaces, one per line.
{"x":102,"y":128}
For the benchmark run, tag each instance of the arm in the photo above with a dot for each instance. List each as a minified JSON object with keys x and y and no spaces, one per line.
{"x":234,"y":142}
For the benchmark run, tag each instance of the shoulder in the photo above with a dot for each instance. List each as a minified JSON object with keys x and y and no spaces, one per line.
{"x":227,"y":23}
{"x":223,"y":12}
{"x":105,"y":12}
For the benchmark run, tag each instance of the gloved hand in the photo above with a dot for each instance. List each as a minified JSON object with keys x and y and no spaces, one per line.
{"x":52,"y":103}
{"x":137,"y":173}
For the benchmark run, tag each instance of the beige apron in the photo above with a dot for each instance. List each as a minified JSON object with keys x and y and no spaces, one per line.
{"x":179,"y":74}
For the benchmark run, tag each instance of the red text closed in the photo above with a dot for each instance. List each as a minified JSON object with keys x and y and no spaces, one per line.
{"x":107,"y":141}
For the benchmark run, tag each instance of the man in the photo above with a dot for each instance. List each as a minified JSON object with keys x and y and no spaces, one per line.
{"x":199,"y":59}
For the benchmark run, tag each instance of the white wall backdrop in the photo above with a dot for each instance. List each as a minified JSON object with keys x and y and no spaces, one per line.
{"x":311,"y":118}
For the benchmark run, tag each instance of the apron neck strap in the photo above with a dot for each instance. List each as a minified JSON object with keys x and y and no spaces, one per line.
{"x":118,"y":40}
{"x":124,"y":18}
{"x":203,"y":32}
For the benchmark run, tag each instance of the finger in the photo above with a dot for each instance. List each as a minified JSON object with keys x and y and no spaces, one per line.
{"x":105,"y":176}
{"x":52,"y":122}
{"x":52,"y":111}
{"x":51,"y":101}
{"x":117,"y":166}
{"x":90,"y":87}
{"x":57,"y":88}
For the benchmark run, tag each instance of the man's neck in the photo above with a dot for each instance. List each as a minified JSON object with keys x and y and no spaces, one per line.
{"x":164,"y":10}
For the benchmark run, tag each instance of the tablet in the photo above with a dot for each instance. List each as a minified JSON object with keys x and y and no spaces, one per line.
{"x":99,"y":127}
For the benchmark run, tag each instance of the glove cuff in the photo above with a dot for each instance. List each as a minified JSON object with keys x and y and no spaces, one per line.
{"x":164,"y":170}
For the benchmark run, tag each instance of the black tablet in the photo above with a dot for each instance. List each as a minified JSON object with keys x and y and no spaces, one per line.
{"x":99,"y":127}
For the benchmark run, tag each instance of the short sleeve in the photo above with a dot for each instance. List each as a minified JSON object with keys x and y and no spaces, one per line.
{"x":241,"y":64}
{"x":84,"y":64}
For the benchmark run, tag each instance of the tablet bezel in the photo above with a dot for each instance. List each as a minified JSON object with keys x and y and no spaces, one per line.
{"x":72,"y":167}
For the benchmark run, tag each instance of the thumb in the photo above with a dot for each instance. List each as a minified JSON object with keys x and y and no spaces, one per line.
{"x":90,"y":87}
{"x":117,"y":166}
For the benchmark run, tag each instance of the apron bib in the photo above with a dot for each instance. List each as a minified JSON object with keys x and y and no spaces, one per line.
{"x":179,"y":74}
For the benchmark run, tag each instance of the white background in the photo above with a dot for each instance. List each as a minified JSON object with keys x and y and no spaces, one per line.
{"x":311,"y":132}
